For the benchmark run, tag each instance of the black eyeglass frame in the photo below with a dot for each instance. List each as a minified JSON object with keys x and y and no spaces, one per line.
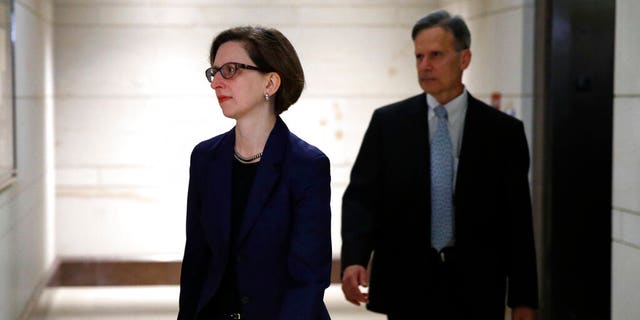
{"x":211,"y":72}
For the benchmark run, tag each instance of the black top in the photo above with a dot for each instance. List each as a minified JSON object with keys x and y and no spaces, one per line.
{"x":227,"y":299}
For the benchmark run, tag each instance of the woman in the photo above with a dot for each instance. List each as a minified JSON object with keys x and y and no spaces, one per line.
{"x":258,"y":217}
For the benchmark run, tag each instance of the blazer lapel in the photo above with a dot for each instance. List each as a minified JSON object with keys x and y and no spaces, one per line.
{"x":267,"y":176}
{"x":216,"y":217}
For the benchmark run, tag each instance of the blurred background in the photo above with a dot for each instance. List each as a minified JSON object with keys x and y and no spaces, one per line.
{"x":110,"y":99}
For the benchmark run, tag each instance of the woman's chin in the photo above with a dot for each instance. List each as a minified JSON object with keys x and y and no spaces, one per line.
{"x":228,"y":113}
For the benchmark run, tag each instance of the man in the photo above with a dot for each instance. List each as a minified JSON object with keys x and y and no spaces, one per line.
{"x":439,"y":198}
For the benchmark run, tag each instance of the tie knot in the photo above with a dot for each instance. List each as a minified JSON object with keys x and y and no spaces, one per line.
{"x":441,"y":112}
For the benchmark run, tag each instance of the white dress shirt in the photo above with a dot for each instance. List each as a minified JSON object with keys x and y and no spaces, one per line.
{"x":456,"y":111}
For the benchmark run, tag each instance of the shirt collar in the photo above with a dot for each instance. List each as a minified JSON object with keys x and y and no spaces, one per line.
{"x":454,"y":107}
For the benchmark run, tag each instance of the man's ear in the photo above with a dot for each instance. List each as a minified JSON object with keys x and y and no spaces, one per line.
{"x":465,"y":59}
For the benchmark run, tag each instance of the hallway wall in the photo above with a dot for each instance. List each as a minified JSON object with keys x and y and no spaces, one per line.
{"x":132,"y":101}
{"x":626,"y":165}
{"x":502,"y":34}
{"x":26,"y":215}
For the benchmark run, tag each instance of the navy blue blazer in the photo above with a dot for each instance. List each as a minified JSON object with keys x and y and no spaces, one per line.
{"x":387,"y":212}
{"x":283,"y":247}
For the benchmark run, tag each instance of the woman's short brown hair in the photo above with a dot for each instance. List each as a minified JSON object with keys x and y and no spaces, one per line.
{"x":271,"y":51}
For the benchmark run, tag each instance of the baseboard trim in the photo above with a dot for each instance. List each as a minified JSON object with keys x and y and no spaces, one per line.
{"x":112,"y":272}
{"x":126,"y":272}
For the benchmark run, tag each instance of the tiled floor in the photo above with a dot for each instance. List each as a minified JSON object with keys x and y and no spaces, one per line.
{"x":149,"y":303}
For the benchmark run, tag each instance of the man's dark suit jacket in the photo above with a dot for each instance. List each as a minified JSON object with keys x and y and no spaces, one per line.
{"x":387,"y":211}
{"x":283,"y":250}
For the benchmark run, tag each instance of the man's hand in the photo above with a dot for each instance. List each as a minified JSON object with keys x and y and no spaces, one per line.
{"x":354,"y":277}
{"x":522,"y":313}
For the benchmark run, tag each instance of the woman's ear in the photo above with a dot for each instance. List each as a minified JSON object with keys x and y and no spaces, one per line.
{"x":273,"y":83}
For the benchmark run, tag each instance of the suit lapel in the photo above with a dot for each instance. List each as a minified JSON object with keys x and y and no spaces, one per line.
{"x":471,"y":133}
{"x":418,"y":163}
{"x":267,"y":176}
{"x":419,"y":114}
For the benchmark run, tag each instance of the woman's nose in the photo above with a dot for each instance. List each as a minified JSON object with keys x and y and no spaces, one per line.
{"x":216,"y":82}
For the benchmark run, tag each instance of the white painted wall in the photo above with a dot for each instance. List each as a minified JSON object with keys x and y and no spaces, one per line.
{"x":26,"y":215}
{"x":132,"y":101}
{"x":626,"y":165}
{"x":502,"y":39}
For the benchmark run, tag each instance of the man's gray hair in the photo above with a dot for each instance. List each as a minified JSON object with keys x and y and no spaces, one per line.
{"x":442,"y":18}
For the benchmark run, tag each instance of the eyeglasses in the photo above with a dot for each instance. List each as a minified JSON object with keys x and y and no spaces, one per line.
{"x":228,"y":70}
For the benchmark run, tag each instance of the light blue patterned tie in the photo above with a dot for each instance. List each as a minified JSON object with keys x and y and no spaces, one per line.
{"x":441,"y":182}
